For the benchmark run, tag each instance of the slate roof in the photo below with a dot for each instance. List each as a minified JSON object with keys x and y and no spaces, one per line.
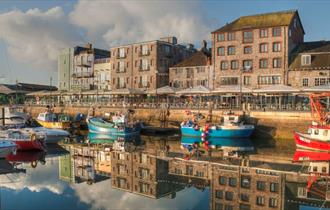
{"x":320,"y":55}
{"x":282,"y":18}
{"x":200,"y":58}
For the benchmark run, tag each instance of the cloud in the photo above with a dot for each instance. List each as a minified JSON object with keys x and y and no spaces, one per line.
{"x":122,"y":22}
{"x":36,"y":37}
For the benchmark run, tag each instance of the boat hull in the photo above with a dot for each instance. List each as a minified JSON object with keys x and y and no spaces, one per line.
{"x":221,"y":132}
{"x":309,"y":143}
{"x":57,"y":125}
{"x":126,"y":131}
{"x":27,"y":145}
{"x":5,"y":151}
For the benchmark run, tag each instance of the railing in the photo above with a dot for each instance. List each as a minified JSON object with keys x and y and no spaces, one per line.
{"x":144,"y":68}
{"x":83,"y":63}
{"x":102,"y":60}
{"x":144,"y":53}
{"x":82,"y":74}
{"x":121,"y":56}
{"x":121,"y":70}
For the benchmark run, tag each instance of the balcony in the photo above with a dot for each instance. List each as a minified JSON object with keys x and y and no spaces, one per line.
{"x":120,"y":86}
{"x":121,"y":70}
{"x":102,"y":60}
{"x":144,"y":68}
{"x":121,"y":56}
{"x":247,"y":69}
{"x":144,"y":53}
{"x":83,"y":63}
{"x":144,"y":85}
{"x":82,"y":74}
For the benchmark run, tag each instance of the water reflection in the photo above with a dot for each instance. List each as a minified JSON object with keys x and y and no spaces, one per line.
{"x":153,"y":173}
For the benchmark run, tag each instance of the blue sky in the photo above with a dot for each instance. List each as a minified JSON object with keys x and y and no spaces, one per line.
{"x":33,"y":32}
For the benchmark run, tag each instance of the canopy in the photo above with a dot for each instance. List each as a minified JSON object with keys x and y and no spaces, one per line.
{"x":276,"y":89}
{"x":195,"y":90}
{"x":163,"y":90}
{"x":232,"y":89}
{"x":127,"y":91}
{"x":324,"y":88}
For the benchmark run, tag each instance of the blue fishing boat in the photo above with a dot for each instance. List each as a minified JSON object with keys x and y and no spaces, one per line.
{"x":232,"y":127}
{"x":116,"y":127}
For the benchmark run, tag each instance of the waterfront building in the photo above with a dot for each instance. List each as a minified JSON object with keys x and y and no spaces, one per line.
{"x":145,"y":65}
{"x":193,"y":71}
{"x":310,"y":66}
{"x":65,"y":68}
{"x":102,"y":69}
{"x":254,"y":50}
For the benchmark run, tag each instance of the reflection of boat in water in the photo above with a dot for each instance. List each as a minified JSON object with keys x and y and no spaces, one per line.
{"x":303,"y":155}
{"x":7,"y":147}
{"x":237,"y":144}
{"x":52,"y":136}
{"x":118,"y":126}
{"x":96,"y":138}
{"x":232,"y":127}
{"x":28,"y":157}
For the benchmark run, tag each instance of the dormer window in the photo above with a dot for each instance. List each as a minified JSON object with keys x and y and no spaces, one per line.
{"x":306,"y":60}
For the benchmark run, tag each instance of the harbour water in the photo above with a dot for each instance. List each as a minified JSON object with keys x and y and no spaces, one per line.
{"x":152,"y":172}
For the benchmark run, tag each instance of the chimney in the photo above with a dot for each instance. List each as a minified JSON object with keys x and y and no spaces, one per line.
{"x":88,"y":46}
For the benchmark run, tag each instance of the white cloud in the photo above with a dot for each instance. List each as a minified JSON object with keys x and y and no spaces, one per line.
{"x":35,"y":37}
{"x":120,"y":22}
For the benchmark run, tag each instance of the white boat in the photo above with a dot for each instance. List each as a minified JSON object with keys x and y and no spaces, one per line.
{"x":14,"y":116}
{"x":52,"y":136}
{"x":7,"y":147}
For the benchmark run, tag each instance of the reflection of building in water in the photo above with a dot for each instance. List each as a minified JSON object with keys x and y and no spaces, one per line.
{"x":142,"y":174}
{"x":66,"y":172}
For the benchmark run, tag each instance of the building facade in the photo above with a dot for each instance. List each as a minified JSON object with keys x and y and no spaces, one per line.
{"x":193,"y":71}
{"x":65,"y":67}
{"x":145,"y":65}
{"x":102,"y":69}
{"x":254,"y":50}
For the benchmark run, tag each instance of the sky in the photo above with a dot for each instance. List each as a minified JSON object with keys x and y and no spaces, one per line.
{"x":32,"y":32}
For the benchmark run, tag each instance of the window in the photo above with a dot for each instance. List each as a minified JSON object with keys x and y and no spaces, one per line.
{"x":263,"y":63}
{"x":244,"y":207}
{"x":121,"y":156}
{"x":145,"y":50}
{"x":247,"y":37}
{"x":222,"y":180}
{"x":247,"y":64}
{"x":224,"y":65}
{"x":305,"y":60}
{"x":145,"y":65}
{"x":234,"y":64}
{"x":144,"y":173}
{"x":144,"y":187}
{"x":273,"y":187}
{"x":221,"y":37}
{"x":177,"y":171}
{"x":321,"y":81}
{"x":232,"y":182}
{"x":231,"y":50}
{"x":200,"y":173}
{"x":221,"y":51}
{"x":122,"y":53}
{"x":245,"y":197}
{"x":260,"y":200}
{"x":305,"y":82}
{"x":218,"y":206}
{"x":295,"y":23}
{"x":144,"y":158}
{"x":189,"y":170}
{"x":276,"y":46}
{"x":290,"y":32}
{"x":121,"y":66}
{"x":247,"y":80}
{"x":263,"y":47}
{"x":277,"y":63}
{"x":263,"y":33}
{"x":272,"y":202}
{"x":269,"y":80}
{"x":245,"y":182}
{"x":261,"y":185}
{"x":229,"y":196}
{"x":219,"y":194}
{"x":277,"y":31}
{"x":228,"y":81}
{"x":229,"y":207}
{"x":231,"y":36}
{"x":247,"y":50}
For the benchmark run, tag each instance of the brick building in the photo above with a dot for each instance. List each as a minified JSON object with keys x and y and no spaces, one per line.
{"x":310,"y":65}
{"x":193,"y":71}
{"x":255,"y":49}
{"x":145,"y":65}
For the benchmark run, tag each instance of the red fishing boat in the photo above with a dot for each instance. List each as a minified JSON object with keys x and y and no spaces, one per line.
{"x":25,"y":140}
{"x":318,"y":135}
{"x":304,"y":155}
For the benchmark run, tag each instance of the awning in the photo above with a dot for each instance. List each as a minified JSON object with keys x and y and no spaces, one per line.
{"x":276,"y":89}
{"x":232,"y":89}
{"x":195,"y":90}
{"x":166,"y":90}
{"x":324,"y":88}
{"x":127,"y":91}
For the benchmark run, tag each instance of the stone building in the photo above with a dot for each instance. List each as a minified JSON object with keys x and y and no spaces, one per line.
{"x":254,"y":50}
{"x":145,"y":65}
{"x":310,"y":65}
{"x":102,"y":69}
{"x":193,"y":71}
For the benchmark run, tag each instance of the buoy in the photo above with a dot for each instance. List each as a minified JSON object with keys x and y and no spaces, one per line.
{"x":201,"y":129}
{"x":207,"y":142}
{"x":203,"y":138}
{"x":203,"y":134}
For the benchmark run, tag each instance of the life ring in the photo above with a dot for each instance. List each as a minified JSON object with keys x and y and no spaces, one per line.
{"x":33,"y":137}
{"x":34,"y":164}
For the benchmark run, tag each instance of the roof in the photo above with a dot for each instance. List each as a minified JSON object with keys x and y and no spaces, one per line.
{"x":195,"y":90}
{"x":23,"y":88}
{"x":199,"y":58}
{"x":320,"y":55}
{"x":281,"y":18}
{"x":232,"y":89}
{"x":276,"y":89}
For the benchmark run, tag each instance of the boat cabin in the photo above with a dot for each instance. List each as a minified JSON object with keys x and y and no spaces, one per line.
{"x":319,"y":167}
{"x":231,"y":119}
{"x":52,"y":117}
{"x":319,"y":132}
